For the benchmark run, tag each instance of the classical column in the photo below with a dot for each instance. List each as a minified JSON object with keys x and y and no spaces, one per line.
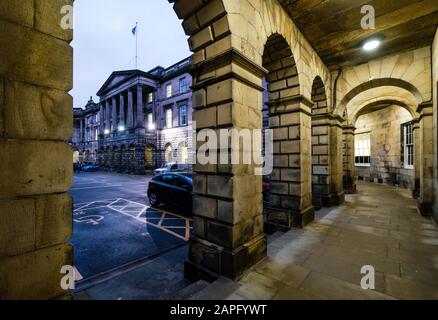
{"x":102,"y":118}
{"x":228,"y":206}
{"x":114,"y":114}
{"x":130,"y":115}
{"x":122,"y":111}
{"x":107,"y":116}
{"x":140,"y":123}
{"x":291,"y":179}
{"x":425,"y":197}
{"x":349,"y":160}
{"x":81,"y":130}
{"x":417,"y":157}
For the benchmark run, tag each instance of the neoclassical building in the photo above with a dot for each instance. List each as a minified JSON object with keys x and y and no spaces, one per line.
{"x":143,"y":120}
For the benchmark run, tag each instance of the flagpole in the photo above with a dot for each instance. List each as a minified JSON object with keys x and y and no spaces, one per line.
{"x":136,"y":45}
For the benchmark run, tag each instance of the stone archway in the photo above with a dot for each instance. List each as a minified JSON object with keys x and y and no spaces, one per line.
{"x":289,"y":116}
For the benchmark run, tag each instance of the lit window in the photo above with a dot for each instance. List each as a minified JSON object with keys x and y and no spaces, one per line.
{"x":408,"y":146}
{"x":96,"y":134}
{"x":97,"y":117}
{"x":169,"y":118}
{"x":150,"y":121}
{"x":362,"y":150}
{"x":150,"y":97}
{"x":183,"y":115}
{"x":182,"y":85}
{"x":169,"y":90}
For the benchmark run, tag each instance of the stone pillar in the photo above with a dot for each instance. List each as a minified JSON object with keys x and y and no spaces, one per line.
{"x":114,"y":114}
{"x":36,"y":169}
{"x":417,"y":158}
{"x":228,"y":221}
{"x":425,"y":197}
{"x":336,"y":169}
{"x":130,"y":115}
{"x":102,"y":119}
{"x":81,"y":130}
{"x":107,"y":116}
{"x":140,"y":123}
{"x":349,"y":160}
{"x":320,"y":160}
{"x":291,"y":179}
{"x":122,"y":111}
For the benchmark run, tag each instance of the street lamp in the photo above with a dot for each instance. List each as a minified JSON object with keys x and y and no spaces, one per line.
{"x":121,"y":128}
{"x":107,"y":131}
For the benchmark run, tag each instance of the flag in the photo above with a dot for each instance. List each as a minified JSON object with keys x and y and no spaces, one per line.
{"x":134,"y":31}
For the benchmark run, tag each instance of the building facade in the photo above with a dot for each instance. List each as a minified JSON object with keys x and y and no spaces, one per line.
{"x":142,"y":121}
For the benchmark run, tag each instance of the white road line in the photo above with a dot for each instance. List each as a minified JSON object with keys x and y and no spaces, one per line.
{"x":78,"y":276}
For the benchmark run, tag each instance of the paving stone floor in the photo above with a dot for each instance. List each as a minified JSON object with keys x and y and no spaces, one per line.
{"x":378,"y":226}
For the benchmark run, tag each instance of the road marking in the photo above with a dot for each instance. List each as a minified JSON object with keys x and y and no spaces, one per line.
{"x":78,"y":275}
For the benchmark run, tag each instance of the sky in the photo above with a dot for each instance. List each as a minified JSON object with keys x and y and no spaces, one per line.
{"x":103,"y":41}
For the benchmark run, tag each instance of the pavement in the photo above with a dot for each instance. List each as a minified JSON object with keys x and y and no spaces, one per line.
{"x":114,"y":225}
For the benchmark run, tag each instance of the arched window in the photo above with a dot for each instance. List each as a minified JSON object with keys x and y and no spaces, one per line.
{"x":183,"y":153}
{"x":168,"y":153}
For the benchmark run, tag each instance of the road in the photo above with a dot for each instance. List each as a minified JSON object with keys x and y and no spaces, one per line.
{"x":114,"y":225}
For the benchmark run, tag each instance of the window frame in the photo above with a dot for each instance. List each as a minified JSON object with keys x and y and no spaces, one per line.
{"x":408,"y":145}
{"x":169,"y":109}
{"x":362,"y":153}
{"x":186,"y":117}
{"x":183,"y":85}
{"x":169,"y":90}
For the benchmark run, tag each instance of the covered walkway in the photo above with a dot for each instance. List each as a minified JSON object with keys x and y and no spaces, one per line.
{"x":378,"y":226}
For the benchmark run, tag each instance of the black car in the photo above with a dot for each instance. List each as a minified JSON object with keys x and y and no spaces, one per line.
{"x":171,"y":189}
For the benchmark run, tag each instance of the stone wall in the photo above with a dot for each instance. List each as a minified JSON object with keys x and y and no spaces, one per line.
{"x":385,"y":134}
{"x":36,"y":163}
{"x":435,"y":120}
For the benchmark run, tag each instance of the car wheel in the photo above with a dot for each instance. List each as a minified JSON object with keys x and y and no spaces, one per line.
{"x":153,"y":199}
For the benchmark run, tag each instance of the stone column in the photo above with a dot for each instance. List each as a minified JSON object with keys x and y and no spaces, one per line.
{"x":349,"y":160}
{"x":102,"y":119}
{"x":425,"y":197}
{"x":140,"y":123}
{"x":107,"y":115}
{"x":417,"y":157}
{"x":130,"y":115}
{"x":81,"y":130}
{"x":122,"y":111}
{"x":228,"y":221}
{"x":336,"y":168}
{"x":291,"y":179}
{"x":320,"y":160}
{"x":114,"y":114}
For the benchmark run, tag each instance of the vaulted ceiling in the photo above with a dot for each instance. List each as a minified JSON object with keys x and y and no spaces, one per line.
{"x":333,"y":27}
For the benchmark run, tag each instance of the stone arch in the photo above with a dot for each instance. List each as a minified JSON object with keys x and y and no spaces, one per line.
{"x":115,"y":158}
{"x":150,"y":157}
{"x":123,"y":159}
{"x":289,"y":117}
{"x":341,"y":109}
{"x":168,"y":153}
{"x":327,"y":187}
{"x":76,"y":156}
{"x":183,"y":152}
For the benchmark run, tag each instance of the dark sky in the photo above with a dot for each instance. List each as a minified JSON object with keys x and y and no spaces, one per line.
{"x":103,"y":41}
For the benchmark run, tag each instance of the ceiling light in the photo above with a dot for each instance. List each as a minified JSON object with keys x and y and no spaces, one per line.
{"x":371,"y":45}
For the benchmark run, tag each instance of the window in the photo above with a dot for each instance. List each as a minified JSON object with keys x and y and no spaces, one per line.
{"x":408,"y":146}
{"x":150,"y":97}
{"x":97,"y":117}
{"x":169,"y":118}
{"x":362,"y":150}
{"x":182,"y":86}
{"x":96,"y":134}
{"x":183,"y":115}
{"x":169,"y":90}
{"x":150,"y":121}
